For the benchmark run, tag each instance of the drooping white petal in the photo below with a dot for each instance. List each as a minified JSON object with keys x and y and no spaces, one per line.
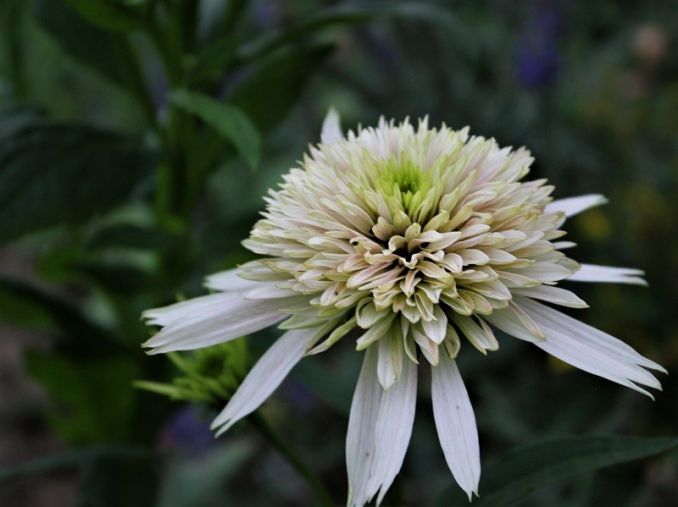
{"x":361,"y":434}
{"x":575,"y":205}
{"x":596,"y":273}
{"x":590,"y":349}
{"x":554,"y":295}
{"x":516,"y":322}
{"x":331,"y":129}
{"x":265,"y":377}
{"x":228,"y":281}
{"x":213,"y":319}
{"x":456,"y":424}
{"x":393,"y":430}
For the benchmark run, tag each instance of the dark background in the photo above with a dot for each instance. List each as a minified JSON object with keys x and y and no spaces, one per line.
{"x":114,"y":200}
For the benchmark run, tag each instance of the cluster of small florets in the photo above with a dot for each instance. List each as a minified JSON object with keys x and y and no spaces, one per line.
{"x":412,"y":235}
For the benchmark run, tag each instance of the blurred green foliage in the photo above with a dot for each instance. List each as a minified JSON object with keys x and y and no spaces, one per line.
{"x":129,"y":131}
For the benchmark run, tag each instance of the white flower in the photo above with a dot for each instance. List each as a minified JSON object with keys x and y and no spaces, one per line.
{"x":406,"y":240}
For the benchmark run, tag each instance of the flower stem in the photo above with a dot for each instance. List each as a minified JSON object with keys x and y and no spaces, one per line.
{"x":292,"y":457}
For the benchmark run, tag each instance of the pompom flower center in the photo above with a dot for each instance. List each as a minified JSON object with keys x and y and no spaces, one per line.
{"x":404,"y":181}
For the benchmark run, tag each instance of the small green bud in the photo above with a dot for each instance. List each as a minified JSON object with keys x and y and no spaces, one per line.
{"x":209,"y":375}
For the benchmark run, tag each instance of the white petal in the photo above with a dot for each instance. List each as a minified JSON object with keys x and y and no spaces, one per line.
{"x":428,"y":347}
{"x":435,"y":329}
{"x":209,"y":320}
{"x":480,"y":336}
{"x":268,"y":290}
{"x":563,"y":245}
{"x":374,"y":333}
{"x":593,"y":335}
{"x":456,"y":424}
{"x":390,"y":364}
{"x":575,"y":205}
{"x":367,"y":314}
{"x":331,"y":129}
{"x":595,"y":273}
{"x":228,"y":281}
{"x":304,"y":319}
{"x":360,"y":437}
{"x":393,"y":430}
{"x":337,"y":334}
{"x":193,"y":310}
{"x":265,"y":377}
{"x":514,"y":321}
{"x":554,"y":295}
{"x":590,"y":349}
{"x":544,"y":271}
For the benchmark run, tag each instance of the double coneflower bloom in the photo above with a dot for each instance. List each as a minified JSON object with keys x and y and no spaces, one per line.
{"x":407,"y":242}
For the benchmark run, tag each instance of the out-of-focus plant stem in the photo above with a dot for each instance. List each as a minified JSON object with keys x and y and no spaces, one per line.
{"x":174,"y":173}
{"x":12,"y":21}
{"x":137,"y":83}
{"x":292,"y":457}
{"x":232,"y":15}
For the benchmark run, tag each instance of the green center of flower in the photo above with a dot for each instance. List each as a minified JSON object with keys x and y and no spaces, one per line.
{"x":404,"y":182}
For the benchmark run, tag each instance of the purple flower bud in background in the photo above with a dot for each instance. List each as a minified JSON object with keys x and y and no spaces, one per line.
{"x":301,"y":396}
{"x":187,"y":432}
{"x":537,"y":54}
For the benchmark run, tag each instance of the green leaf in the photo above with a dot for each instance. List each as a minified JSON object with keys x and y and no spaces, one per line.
{"x":15,"y":118}
{"x":72,"y":459}
{"x":115,"y":277}
{"x":108,"y":15}
{"x":53,"y":174}
{"x":130,"y":236}
{"x":347,"y":16}
{"x":21,"y":309}
{"x":528,"y":468}
{"x":211,"y":62}
{"x":229,"y":121}
{"x":103,"y":52}
{"x":94,"y":398}
{"x":112,"y":475}
{"x":27,"y":306}
{"x":274,"y":86}
{"x":278,"y":38}
{"x":200,"y":482}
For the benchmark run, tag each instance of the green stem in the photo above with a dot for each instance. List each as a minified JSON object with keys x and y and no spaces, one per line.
{"x":292,"y":457}
{"x":12,"y":17}
{"x":169,"y":55}
{"x":177,"y":133}
{"x":137,"y":83}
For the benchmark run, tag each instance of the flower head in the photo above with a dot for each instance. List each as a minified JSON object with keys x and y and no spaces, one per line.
{"x":408,"y":241}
